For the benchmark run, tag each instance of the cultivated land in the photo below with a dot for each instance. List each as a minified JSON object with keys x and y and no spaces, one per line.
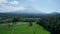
{"x":22,"y":28}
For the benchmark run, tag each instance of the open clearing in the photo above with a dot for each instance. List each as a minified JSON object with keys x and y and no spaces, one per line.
{"x":22,"y":28}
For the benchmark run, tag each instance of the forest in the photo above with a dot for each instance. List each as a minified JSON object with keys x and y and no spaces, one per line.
{"x":50,"y":23}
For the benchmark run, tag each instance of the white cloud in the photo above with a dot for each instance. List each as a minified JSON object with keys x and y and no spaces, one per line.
{"x":31,"y":0}
{"x":14,"y":2}
{"x":9,"y":8}
{"x":4,"y":8}
{"x":3,"y":1}
{"x":15,"y":9}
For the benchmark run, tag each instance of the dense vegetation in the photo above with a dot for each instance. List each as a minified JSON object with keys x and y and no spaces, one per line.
{"x":49,"y":22}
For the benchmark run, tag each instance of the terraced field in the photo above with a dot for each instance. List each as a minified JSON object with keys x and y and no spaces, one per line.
{"x":22,"y":28}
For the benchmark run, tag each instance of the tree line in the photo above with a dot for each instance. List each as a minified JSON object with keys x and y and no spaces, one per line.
{"x":50,"y":23}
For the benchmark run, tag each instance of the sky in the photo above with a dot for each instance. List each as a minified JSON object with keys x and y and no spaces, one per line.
{"x":45,"y":6}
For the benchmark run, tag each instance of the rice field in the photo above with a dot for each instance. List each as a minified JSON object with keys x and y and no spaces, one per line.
{"x":22,"y":28}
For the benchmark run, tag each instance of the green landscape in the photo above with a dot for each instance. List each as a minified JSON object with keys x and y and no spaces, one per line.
{"x":29,"y":16}
{"x":22,"y":28}
{"x":29,"y":23}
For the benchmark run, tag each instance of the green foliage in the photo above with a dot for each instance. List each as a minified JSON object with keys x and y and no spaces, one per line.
{"x":51,"y":23}
{"x":22,"y":28}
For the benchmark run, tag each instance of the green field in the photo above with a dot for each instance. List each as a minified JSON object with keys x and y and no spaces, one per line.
{"x":22,"y":28}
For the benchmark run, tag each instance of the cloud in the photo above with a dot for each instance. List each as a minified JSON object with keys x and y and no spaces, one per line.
{"x":3,"y":1}
{"x":6,"y":6}
{"x":14,"y":2}
{"x":15,"y":8}
{"x":31,"y":0}
{"x":10,"y":8}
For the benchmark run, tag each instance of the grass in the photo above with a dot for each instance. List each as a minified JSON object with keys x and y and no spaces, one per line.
{"x":23,"y":28}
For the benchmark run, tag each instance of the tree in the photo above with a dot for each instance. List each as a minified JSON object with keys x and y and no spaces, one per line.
{"x":15,"y":20}
{"x":30,"y":22}
{"x":51,"y":24}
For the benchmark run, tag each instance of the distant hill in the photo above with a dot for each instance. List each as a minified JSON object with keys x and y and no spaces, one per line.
{"x":54,"y":13}
{"x":38,"y":15}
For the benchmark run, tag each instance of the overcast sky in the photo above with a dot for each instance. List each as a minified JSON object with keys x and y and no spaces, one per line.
{"x":46,"y":6}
